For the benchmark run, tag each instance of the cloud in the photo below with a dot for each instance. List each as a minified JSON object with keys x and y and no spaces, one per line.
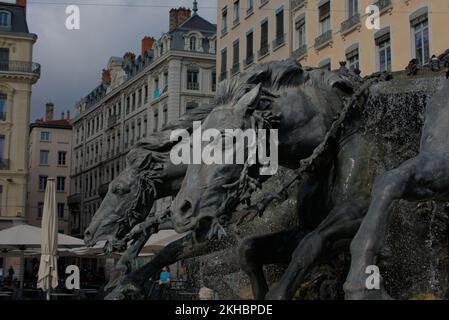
{"x":72,"y":60}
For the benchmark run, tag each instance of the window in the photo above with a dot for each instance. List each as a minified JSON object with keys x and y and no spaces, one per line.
{"x":42,"y":182}
{"x":236,"y":56}
{"x":236,"y":12}
{"x":279,"y":26}
{"x":156,"y":93}
{"x":384,"y":52}
{"x":5,"y":19}
{"x":193,"y":43}
{"x":62,"y":155}
{"x":165,"y":112}
{"x":60,"y":184}
{"x":421,"y":39}
{"x":214,"y":81}
{"x":45,"y":136}
{"x":353,"y":59}
{"x":249,"y":47}
{"x":325,"y":17}
{"x":264,"y":38}
{"x":40,"y":209}
{"x":192,"y":80}
{"x":301,"y":32}
{"x":250,"y":5}
{"x":3,"y":99}
{"x":2,"y":148}
{"x":353,"y":8}
{"x":146,"y":93}
{"x":156,"y":120}
{"x":61,"y":210}
{"x":43,"y":158}
{"x":128,"y":103}
{"x":224,"y":62}
{"x":224,"y":21}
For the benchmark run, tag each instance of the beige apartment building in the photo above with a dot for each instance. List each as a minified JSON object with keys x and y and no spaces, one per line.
{"x":17,"y":75}
{"x":137,"y":96}
{"x":324,"y":32}
{"x":49,"y":157}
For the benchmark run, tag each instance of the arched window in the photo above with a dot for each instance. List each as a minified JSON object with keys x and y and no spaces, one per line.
{"x":193,"y":43}
{"x":5,"y":19}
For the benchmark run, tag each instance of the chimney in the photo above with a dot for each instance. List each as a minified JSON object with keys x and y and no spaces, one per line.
{"x":49,"y":108}
{"x":179,"y":16}
{"x":106,"y":77}
{"x":62,"y":116}
{"x":69,"y":116}
{"x":22,"y":3}
{"x":147,"y":44}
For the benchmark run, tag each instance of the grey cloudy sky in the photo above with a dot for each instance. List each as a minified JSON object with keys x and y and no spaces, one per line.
{"x":72,"y":61}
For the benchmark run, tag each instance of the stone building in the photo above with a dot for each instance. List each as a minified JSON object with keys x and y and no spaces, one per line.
{"x":49,"y":157}
{"x":324,"y":32}
{"x":137,"y":96}
{"x":17,"y":75}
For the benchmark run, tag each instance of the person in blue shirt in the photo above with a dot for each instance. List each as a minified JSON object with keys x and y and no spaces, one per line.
{"x":165,"y":278}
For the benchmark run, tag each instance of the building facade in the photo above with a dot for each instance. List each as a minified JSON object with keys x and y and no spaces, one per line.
{"x":324,"y":32}
{"x":17,"y":75}
{"x":137,"y":96}
{"x":49,"y":157}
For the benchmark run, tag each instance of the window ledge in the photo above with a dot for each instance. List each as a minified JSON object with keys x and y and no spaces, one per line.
{"x":279,"y":46}
{"x":264,"y":3}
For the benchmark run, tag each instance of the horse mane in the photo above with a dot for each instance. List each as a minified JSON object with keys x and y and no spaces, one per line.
{"x":272,"y":75}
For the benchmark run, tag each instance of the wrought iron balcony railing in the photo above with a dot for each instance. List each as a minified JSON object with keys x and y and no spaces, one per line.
{"x":193,"y":86}
{"x":350,"y":23}
{"x":300,"y":52}
{"x":249,"y":60}
{"x":235,"y":68}
{"x":20,"y":67}
{"x":263,"y":51}
{"x":323,"y":39}
{"x":280,"y":39}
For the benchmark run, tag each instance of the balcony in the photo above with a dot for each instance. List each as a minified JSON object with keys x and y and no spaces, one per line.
{"x":296,"y":4}
{"x":249,"y":60}
{"x":263,"y":51}
{"x":4,"y":164}
{"x":350,"y":24}
{"x":383,"y":4}
{"x":13,"y":66}
{"x":300,"y":52}
{"x":279,"y":41}
{"x":193,"y":86}
{"x":323,"y":39}
{"x":235,"y":68}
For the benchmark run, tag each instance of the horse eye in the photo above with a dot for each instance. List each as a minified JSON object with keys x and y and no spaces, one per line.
{"x":119,"y":190}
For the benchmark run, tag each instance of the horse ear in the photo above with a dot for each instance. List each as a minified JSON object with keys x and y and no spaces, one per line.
{"x":249,"y":101}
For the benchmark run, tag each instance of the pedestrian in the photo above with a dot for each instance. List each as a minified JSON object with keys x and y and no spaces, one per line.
{"x":10,"y":275}
{"x":164,"y":281}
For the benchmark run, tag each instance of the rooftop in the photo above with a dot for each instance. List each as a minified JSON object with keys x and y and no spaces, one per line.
{"x":18,"y":22}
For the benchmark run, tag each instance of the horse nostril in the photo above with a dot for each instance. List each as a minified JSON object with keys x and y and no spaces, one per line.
{"x":186,"y":206}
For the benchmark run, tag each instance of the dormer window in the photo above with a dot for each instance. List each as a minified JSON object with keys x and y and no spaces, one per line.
{"x":5,"y":19}
{"x":193,"y":43}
